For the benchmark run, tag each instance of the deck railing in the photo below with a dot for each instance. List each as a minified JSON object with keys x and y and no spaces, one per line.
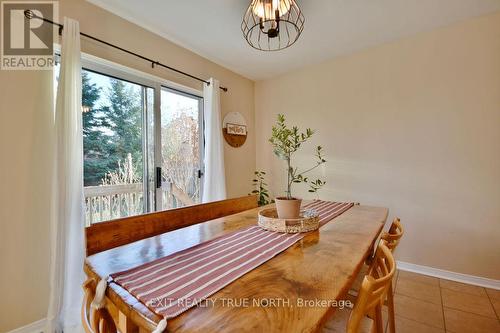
{"x":107,"y":202}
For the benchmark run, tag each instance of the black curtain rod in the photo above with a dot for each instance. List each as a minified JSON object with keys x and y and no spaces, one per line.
{"x":30,"y":15}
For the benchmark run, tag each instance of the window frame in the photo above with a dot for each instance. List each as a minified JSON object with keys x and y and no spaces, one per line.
{"x":121,"y":72}
{"x":201,"y":126}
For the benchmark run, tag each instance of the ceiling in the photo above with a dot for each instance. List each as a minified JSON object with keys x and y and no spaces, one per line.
{"x":333,"y":27}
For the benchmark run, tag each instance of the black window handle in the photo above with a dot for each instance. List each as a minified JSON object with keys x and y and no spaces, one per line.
{"x":200,"y":173}
{"x":158,"y":177}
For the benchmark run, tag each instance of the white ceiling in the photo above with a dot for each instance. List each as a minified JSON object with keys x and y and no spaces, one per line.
{"x":333,"y":27}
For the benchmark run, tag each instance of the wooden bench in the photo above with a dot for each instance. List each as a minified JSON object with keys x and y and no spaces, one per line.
{"x":107,"y":235}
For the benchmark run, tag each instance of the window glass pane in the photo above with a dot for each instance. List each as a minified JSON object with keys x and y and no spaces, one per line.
{"x":112,"y":147}
{"x":180,"y":148}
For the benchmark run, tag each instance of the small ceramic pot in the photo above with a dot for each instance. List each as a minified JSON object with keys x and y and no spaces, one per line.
{"x":288,"y":208}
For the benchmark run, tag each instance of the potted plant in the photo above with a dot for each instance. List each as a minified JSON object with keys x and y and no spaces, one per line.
{"x":286,"y":142}
{"x":260,"y":189}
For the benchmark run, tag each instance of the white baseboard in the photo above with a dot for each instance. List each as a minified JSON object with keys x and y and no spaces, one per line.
{"x":443,"y":274}
{"x":35,"y":327}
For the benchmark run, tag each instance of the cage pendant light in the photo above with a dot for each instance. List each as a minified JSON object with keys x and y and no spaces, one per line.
{"x":272,"y":25}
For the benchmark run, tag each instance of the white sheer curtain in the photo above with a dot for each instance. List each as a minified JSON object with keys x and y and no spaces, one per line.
{"x":67,"y":229}
{"x":214,"y":185}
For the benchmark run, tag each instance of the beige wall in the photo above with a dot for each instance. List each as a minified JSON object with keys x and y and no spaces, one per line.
{"x":412,"y":125}
{"x":24,"y":196}
{"x":25,"y":153}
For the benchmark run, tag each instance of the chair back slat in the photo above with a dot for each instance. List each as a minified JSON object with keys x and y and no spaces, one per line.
{"x":95,"y":320}
{"x":374,"y":287}
{"x":107,"y":235}
{"x":394,"y":235}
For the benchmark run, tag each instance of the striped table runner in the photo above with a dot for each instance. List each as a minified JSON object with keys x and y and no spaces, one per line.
{"x":173,"y":284}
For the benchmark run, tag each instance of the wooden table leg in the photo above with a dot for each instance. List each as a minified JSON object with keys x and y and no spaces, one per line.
{"x":126,"y":325}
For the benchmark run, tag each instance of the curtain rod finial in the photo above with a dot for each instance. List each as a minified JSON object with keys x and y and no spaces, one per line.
{"x":28,"y":14}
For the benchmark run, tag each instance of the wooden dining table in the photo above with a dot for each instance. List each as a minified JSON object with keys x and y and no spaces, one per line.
{"x":293,"y":292}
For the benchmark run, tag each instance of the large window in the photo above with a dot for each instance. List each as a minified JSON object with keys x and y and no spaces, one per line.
{"x":142,"y":143}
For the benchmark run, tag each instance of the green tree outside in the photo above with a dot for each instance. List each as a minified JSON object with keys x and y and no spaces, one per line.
{"x":110,"y":131}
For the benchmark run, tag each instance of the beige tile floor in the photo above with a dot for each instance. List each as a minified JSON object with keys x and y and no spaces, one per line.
{"x":428,"y":304}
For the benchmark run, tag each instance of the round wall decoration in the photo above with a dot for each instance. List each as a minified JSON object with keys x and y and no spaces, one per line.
{"x":234,"y":129}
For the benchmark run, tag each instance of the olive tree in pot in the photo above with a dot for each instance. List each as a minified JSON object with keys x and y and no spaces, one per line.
{"x":286,"y":142}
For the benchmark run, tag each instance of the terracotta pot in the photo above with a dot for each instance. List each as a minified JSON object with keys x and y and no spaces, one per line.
{"x":288,"y":208}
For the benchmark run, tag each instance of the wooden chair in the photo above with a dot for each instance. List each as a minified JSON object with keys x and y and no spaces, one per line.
{"x":367,"y":311}
{"x":107,"y":235}
{"x":392,"y":238}
{"x":95,"y":320}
